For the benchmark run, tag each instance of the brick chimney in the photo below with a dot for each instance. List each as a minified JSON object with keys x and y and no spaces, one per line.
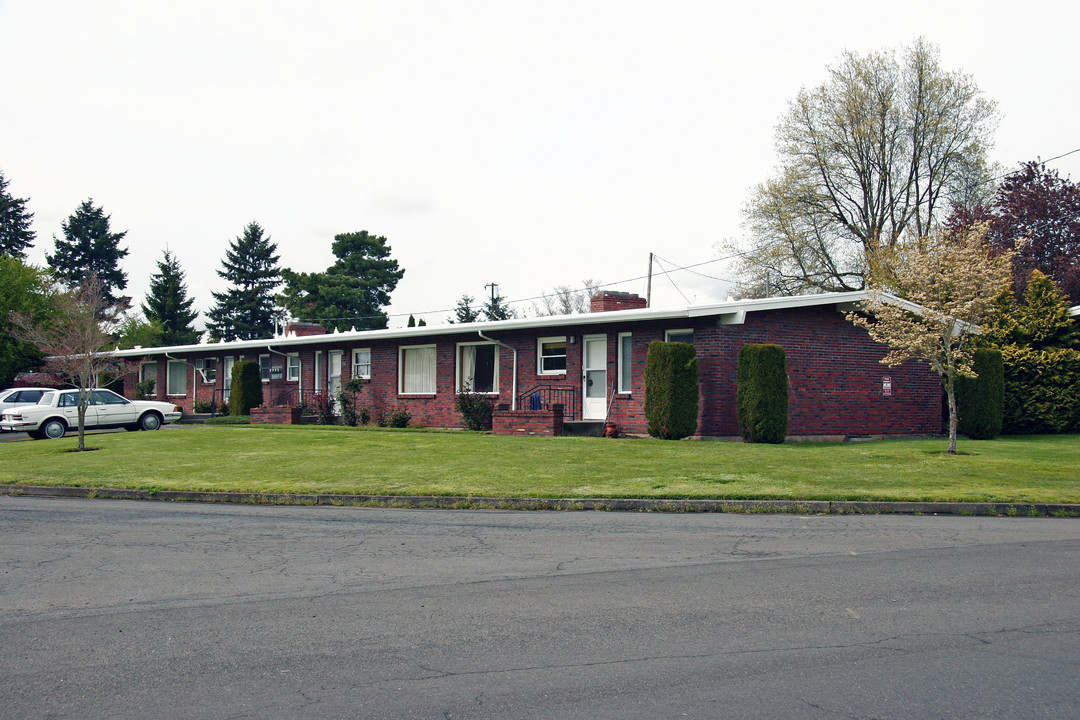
{"x":608,"y":300}
{"x":303,"y":329}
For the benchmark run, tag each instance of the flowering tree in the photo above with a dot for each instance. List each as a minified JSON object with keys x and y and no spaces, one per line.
{"x":947,"y":284}
{"x":78,"y":339}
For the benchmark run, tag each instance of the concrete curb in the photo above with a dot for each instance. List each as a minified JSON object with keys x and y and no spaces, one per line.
{"x":805,"y":507}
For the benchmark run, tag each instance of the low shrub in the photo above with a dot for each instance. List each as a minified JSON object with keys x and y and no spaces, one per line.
{"x":229,"y":420}
{"x":322,"y":406}
{"x":397,"y":417}
{"x":475,"y":410}
{"x":144,"y":389}
{"x":201,"y":407}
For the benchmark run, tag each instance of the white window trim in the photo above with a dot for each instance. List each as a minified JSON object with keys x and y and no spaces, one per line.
{"x":623,"y":361}
{"x":289,"y":367}
{"x":676,"y":331}
{"x":353,"y":373}
{"x":269,"y":365}
{"x":457,"y":366}
{"x":401,"y":370}
{"x":169,"y":390}
{"x":540,"y":354}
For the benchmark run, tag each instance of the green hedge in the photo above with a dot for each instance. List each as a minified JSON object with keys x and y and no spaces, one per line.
{"x":671,"y":390}
{"x":980,"y":401}
{"x":762,"y":393}
{"x":1042,"y":391}
{"x":246,"y":391}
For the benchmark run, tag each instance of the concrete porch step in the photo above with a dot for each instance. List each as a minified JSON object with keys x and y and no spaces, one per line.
{"x":583,"y":428}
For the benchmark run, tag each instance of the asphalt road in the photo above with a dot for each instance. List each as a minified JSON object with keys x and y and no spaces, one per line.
{"x":152,"y":610}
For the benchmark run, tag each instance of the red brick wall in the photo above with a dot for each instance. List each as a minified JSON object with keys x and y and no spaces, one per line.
{"x":835,"y":377}
{"x":527,"y":422}
{"x":607,"y":301}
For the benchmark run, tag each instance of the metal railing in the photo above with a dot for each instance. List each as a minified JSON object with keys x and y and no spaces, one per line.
{"x":542,"y":397}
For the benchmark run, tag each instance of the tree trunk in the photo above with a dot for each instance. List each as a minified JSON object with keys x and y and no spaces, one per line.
{"x":950,"y":392}
{"x":82,"y":426}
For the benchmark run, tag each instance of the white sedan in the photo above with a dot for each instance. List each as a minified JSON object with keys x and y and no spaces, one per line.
{"x":19,"y":397}
{"x":58,"y":410}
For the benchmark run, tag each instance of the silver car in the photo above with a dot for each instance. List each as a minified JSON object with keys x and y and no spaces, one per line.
{"x":58,"y":410}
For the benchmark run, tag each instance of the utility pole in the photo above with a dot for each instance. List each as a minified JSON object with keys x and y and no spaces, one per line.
{"x":648,"y":285}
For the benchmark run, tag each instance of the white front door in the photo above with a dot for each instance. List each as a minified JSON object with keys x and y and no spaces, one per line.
{"x":594,"y":371}
{"x":333,"y":379}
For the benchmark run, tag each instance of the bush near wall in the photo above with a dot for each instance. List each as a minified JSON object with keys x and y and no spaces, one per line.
{"x":980,"y":400}
{"x":1042,"y":390}
{"x":246,"y":391}
{"x":672,"y":395}
{"x":762,"y":393}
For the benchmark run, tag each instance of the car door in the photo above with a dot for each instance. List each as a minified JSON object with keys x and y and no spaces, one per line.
{"x":110,"y":408}
{"x":68,"y":405}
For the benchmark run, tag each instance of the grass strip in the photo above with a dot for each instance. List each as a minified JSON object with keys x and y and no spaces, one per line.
{"x":269,"y":459}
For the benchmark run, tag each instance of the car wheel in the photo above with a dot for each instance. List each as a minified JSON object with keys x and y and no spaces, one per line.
{"x":35,"y":435}
{"x":150,"y":421}
{"x":53,"y":429}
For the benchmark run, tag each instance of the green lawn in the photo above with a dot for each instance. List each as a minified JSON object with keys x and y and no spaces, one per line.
{"x":1044,"y":469}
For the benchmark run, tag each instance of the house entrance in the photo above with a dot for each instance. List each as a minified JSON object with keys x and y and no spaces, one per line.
{"x":594,"y":371}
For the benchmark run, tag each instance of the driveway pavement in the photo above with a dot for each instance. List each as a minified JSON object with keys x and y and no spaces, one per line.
{"x":162,"y":610}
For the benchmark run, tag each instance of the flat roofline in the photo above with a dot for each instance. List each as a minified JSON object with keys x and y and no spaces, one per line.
{"x":633,"y":315}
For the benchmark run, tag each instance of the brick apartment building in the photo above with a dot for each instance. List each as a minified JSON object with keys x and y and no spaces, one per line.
{"x":590,"y":364}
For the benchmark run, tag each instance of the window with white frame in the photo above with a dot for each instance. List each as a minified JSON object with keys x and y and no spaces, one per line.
{"x":626,"y":362}
{"x":148,"y":371}
{"x":264,"y":367}
{"x":361,"y":363}
{"x":207,"y":369}
{"x":478,"y":367}
{"x":416,"y":370}
{"x":177,"y":378}
{"x":292,"y":367}
{"x":551,"y":356}
{"x":685,"y":335}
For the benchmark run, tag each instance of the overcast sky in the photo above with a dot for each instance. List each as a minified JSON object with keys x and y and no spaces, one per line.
{"x":491,"y":141}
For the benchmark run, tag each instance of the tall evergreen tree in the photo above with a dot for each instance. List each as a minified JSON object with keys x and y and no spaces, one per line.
{"x":246,"y":310}
{"x":90,"y":247}
{"x":464,"y":312}
{"x":167,"y":303}
{"x":15,"y":232}
{"x":352,"y":291}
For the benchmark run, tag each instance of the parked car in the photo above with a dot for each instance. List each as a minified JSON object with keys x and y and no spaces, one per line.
{"x":58,"y":410}
{"x":18,"y":397}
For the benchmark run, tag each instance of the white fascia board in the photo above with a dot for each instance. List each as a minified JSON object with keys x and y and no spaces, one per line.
{"x":735,"y":310}
{"x":1074,"y":311}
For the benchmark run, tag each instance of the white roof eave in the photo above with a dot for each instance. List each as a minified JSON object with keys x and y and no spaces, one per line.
{"x":550,"y":321}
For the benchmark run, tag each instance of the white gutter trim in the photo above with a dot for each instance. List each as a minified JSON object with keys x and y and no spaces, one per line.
{"x":551,"y":322}
{"x":513,"y":384}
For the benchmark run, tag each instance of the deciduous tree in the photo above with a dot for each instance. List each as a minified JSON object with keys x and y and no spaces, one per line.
{"x":352,"y":292}
{"x":78,"y":339}
{"x":1036,"y":213}
{"x":89,"y":247}
{"x":16,"y":235}
{"x":875,"y":152}
{"x":245,"y":311}
{"x":948,"y":285}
